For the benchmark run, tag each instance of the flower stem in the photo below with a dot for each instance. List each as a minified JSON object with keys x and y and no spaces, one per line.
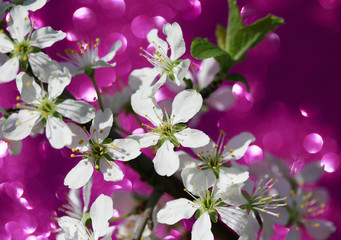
{"x":91,"y":74}
{"x":121,"y":129}
{"x":123,"y":217}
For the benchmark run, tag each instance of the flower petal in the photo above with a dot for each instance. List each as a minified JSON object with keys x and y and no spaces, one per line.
{"x":72,"y":227}
{"x":45,"y":37}
{"x":57,"y":81}
{"x":202,"y":228}
{"x":79,"y":175}
{"x":186,"y":161}
{"x":33,"y":5}
{"x":19,"y":125}
{"x":166,"y":162}
{"x":142,"y":78}
{"x":234,"y":218}
{"x":320,"y":229}
{"x":102,"y":64}
{"x":232,"y":175}
{"x":239,"y":144}
{"x":154,"y":39}
{"x":180,"y":71}
{"x":147,"y":107}
{"x":78,"y":111}
{"x":111,"y":172}
{"x":9,"y":70}
{"x":192,"y":138}
{"x":6,"y":44}
{"x":19,"y":25}
{"x":311,"y":173}
{"x":185,"y":105}
{"x":125,"y":149}
{"x":42,"y":65}
{"x":175,"y":40}
{"x":29,"y":90}
{"x":80,"y":139}
{"x":208,"y":69}
{"x":251,"y":229}
{"x":86,"y":195}
{"x":176,"y":210}
{"x":197,"y":180}
{"x":294,"y":234}
{"x":232,"y":194}
{"x":101,"y":125}
{"x":58,"y":133}
{"x":222,"y":99}
{"x":146,"y":139}
{"x":15,"y":148}
{"x":112,"y":52}
{"x":100,"y":212}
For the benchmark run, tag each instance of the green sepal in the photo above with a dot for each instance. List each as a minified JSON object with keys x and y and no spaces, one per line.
{"x":201,"y":48}
{"x":189,"y":83}
{"x":91,"y":142}
{"x":225,"y":62}
{"x":170,"y":74}
{"x":35,"y":50}
{"x":238,"y":78}
{"x":206,"y":167}
{"x":216,"y":172}
{"x":23,"y":65}
{"x":220,"y":34}
{"x":107,"y":156}
{"x":222,"y":204}
{"x":44,"y":121}
{"x":58,"y":101}
{"x":160,"y":142}
{"x":107,"y":141}
{"x":225,"y":165}
{"x":214,"y":216}
{"x":173,"y":140}
{"x":88,"y":221}
{"x":57,"y":115}
{"x":198,"y":213}
{"x":179,"y":127}
{"x":97,"y":163}
{"x":89,"y":71}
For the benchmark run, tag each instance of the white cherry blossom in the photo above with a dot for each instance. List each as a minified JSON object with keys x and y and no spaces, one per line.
{"x":100,"y":212}
{"x":168,"y":66}
{"x":89,"y":59}
{"x":98,"y":151}
{"x":23,"y":44}
{"x":169,"y":131}
{"x":44,"y":107}
{"x":213,"y":161}
{"x":29,"y":5}
{"x":207,"y":205}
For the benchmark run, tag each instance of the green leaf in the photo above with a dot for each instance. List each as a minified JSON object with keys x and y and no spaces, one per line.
{"x":220,"y":34}
{"x":201,"y":48}
{"x":238,"y":78}
{"x":225,"y":62}
{"x":250,"y":35}
{"x":235,"y":22}
{"x":214,"y":216}
{"x":189,"y":83}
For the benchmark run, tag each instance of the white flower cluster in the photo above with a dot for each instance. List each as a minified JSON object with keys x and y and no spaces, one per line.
{"x":218,"y":185}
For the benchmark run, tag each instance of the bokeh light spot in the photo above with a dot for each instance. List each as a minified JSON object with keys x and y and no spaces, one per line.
{"x":313,"y":143}
{"x":141,"y":25}
{"x":3,"y":149}
{"x":330,"y":161}
{"x":254,"y":154}
{"x":84,"y":19}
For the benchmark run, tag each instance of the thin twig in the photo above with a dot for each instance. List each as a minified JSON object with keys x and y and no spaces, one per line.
{"x":147,"y":213}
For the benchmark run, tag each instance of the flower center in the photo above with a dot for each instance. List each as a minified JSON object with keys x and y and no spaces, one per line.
{"x":22,"y":49}
{"x":47,"y":108}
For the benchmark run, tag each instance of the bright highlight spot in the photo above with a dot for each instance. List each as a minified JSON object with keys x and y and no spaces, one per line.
{"x":3,"y":149}
{"x":84,"y":19}
{"x":254,"y":154}
{"x":313,"y":143}
{"x":330,"y":161}
{"x":237,"y":89}
{"x":304,"y":113}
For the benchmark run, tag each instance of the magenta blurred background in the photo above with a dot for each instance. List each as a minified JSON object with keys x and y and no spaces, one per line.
{"x":293,"y":108}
